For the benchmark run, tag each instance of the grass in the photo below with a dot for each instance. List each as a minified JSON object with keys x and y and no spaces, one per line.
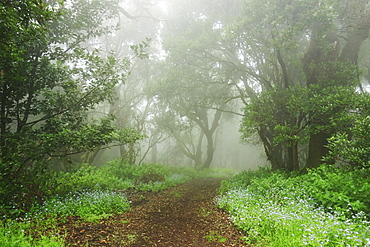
{"x":18,"y":234}
{"x":214,"y":237}
{"x":86,"y":204}
{"x":204,"y":212}
{"x":282,"y":210}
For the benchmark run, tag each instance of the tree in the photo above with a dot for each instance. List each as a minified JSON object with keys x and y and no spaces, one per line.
{"x":191,"y":110}
{"x":139,"y":23}
{"x":324,"y":56}
{"x":195,"y":85}
{"x":335,"y":34}
{"x":282,"y":58}
{"x":192,"y":93}
{"x":49,"y":82}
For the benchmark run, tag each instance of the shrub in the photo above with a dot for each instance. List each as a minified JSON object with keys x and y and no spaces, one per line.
{"x":352,"y":145}
{"x":339,"y":189}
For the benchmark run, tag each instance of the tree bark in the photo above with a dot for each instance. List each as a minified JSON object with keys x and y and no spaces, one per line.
{"x":209,"y":132}
{"x":273,"y":152}
{"x":293,"y":161}
{"x":317,"y":149}
{"x":3,"y":116}
{"x":210,"y":151}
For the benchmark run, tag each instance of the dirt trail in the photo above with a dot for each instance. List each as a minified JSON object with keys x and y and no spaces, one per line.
{"x":184,"y":215}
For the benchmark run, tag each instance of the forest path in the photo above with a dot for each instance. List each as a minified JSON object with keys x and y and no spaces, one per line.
{"x":184,"y":215}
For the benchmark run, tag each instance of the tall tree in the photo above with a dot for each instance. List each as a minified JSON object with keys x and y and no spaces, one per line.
{"x":330,"y":57}
{"x":49,"y":81}
{"x":195,"y":101}
{"x":330,"y":34}
{"x":194,"y":87}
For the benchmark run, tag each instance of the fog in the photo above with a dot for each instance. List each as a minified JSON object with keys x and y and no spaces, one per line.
{"x":179,"y":93}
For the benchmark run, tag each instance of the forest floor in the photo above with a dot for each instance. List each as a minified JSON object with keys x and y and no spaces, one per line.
{"x":184,"y":215}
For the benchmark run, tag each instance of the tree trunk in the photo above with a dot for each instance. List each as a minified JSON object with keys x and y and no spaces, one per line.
{"x":293,"y":161}
{"x":131,"y":153}
{"x":122,"y":151}
{"x":210,"y":151}
{"x":198,"y":152}
{"x":273,"y":152}
{"x":3,"y":118}
{"x":93,"y":155}
{"x":154,"y":154}
{"x":317,"y":149}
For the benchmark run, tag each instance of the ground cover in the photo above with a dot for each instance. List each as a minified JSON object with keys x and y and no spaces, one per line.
{"x":325,"y":207}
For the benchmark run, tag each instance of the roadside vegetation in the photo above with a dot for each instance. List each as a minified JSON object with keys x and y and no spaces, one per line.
{"x":327,"y":206}
{"x":91,"y":194}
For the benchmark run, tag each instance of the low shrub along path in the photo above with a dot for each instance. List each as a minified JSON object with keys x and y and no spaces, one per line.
{"x":185,"y":215}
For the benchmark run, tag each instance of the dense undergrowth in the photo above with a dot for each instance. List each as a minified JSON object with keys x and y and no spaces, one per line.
{"x":90,"y":193}
{"x":327,"y":206}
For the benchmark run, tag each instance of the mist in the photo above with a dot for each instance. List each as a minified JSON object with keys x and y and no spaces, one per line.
{"x":194,"y":69}
{"x":179,"y":93}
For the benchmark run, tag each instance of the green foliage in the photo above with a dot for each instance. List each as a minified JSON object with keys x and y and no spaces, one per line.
{"x":86,"y":137}
{"x":90,"y":193}
{"x":327,"y":206}
{"x":243,"y":179}
{"x":335,"y":189}
{"x":24,"y":192}
{"x":85,"y":204}
{"x":89,"y":178}
{"x":150,"y":177}
{"x":292,"y":115}
{"x":286,"y":112}
{"x":213,"y":237}
{"x":140,"y":49}
{"x":87,"y":192}
{"x":351,"y":145}
{"x":216,"y":173}
{"x":306,"y":80}
{"x":341,"y":190}
{"x":16,"y":234}
{"x":49,"y":81}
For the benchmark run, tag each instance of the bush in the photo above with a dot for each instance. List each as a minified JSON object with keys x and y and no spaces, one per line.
{"x":117,"y":175}
{"x":352,"y":147}
{"x":216,"y":173}
{"x":339,"y":189}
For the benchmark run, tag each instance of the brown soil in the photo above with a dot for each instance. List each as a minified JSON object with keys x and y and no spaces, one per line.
{"x":184,"y":215}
